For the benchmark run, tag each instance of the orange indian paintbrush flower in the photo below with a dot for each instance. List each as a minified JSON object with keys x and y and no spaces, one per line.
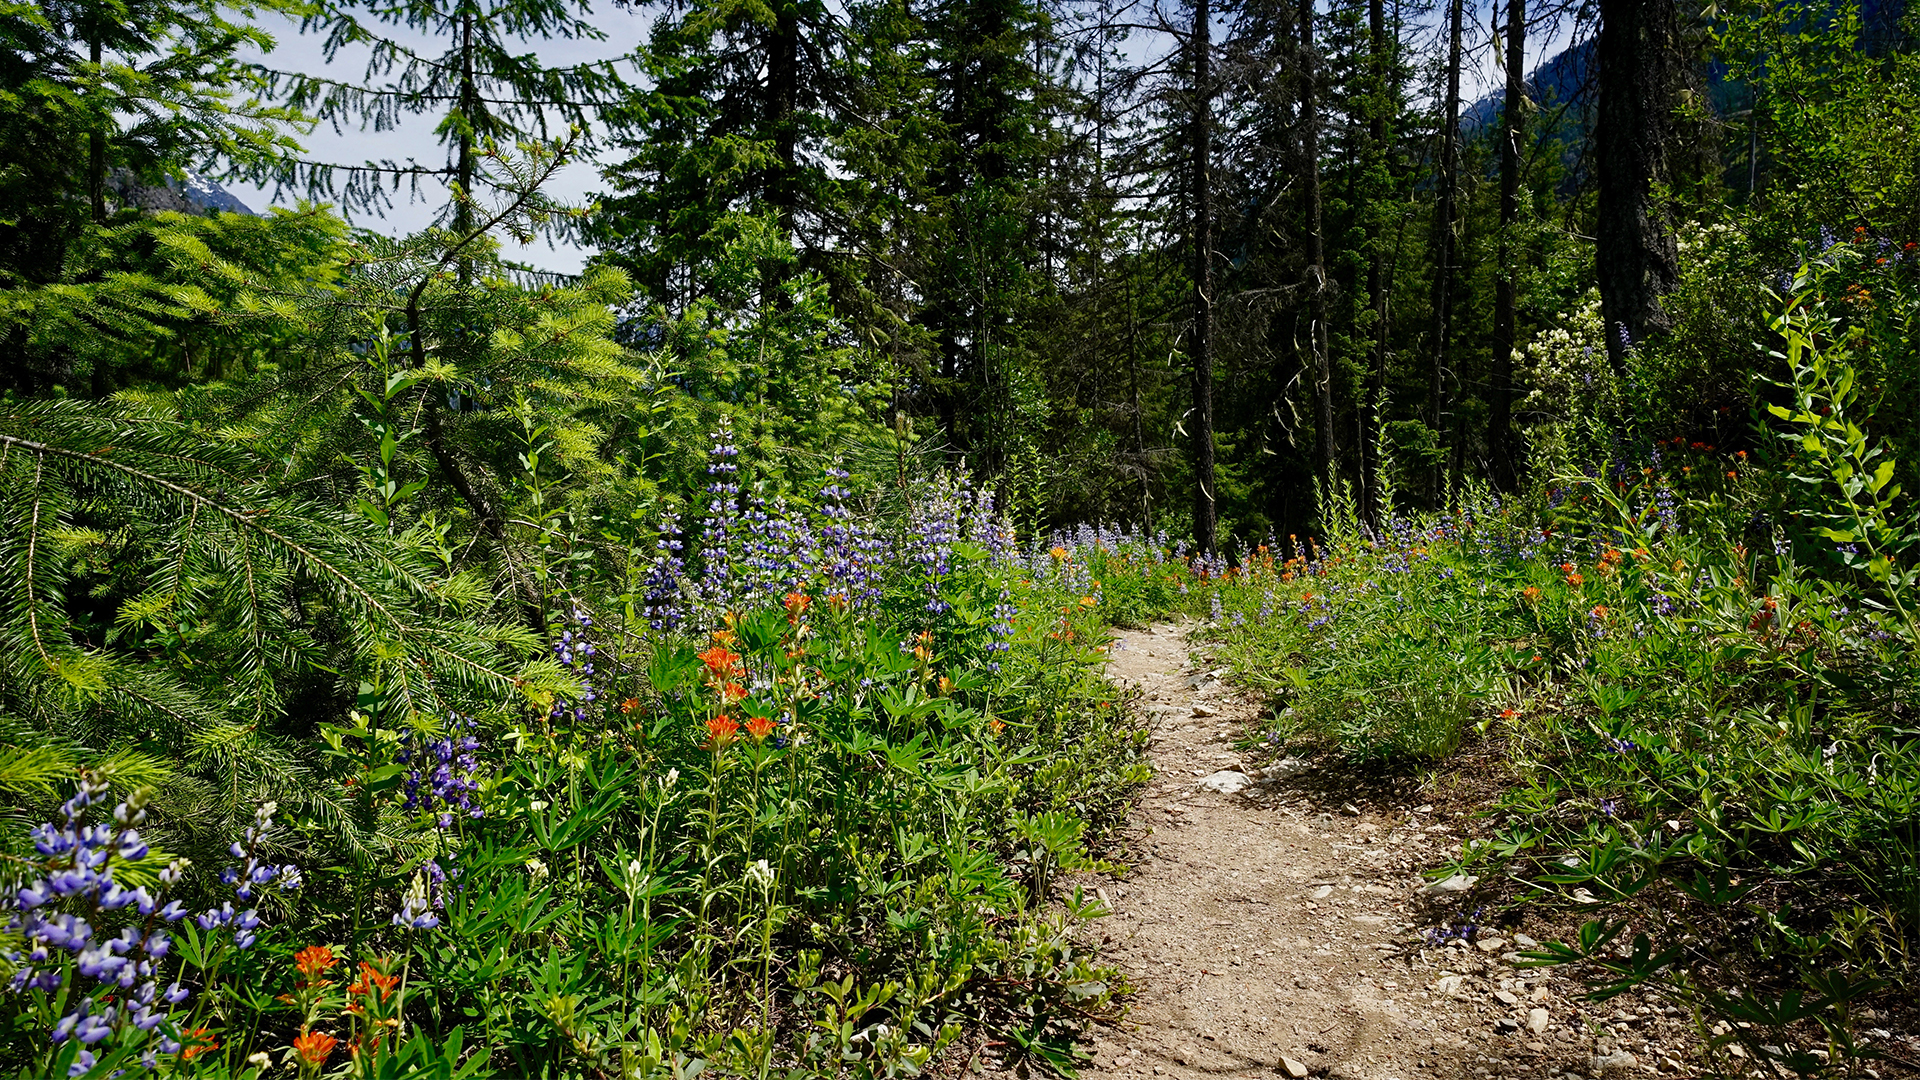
{"x":314,"y":1046}
{"x":722,"y":730}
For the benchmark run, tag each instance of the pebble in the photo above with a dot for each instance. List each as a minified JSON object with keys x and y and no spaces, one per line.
{"x":1458,"y":883}
{"x":1505,"y":997}
{"x":1537,"y":1021}
{"x":1507,"y":1023}
{"x":1292,"y":1068}
{"x":1618,"y":1062}
{"x":1279,"y":770}
{"x":1524,"y":941}
{"x":1491,"y":944}
{"x":1202,"y":710}
{"x":1226,"y":782}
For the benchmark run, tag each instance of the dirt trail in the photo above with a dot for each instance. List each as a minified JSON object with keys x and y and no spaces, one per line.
{"x":1267,"y":932}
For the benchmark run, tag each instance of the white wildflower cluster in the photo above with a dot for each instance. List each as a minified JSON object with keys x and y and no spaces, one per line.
{"x":1566,"y":366}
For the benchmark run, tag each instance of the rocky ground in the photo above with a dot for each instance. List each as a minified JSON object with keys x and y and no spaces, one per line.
{"x":1273,"y":919}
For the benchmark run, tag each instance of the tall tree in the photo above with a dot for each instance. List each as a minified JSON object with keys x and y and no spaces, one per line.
{"x":1445,"y":213}
{"x":482,"y":87}
{"x":1200,"y":348}
{"x":1636,"y":256}
{"x":98,"y":99}
{"x":1506,"y":275}
{"x":980,"y":228}
{"x":734,"y":123}
{"x":1377,"y":104}
{"x":1317,"y":285}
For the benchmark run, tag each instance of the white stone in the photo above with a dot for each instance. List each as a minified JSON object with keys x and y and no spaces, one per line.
{"x":1275,"y":771}
{"x":1615,"y":1063}
{"x":1226,"y":782}
{"x":1537,"y":1021}
{"x":1458,"y":883}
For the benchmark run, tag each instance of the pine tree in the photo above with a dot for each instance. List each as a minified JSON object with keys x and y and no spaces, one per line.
{"x":481,"y":89}
{"x":97,"y":96}
{"x":1506,"y":284}
{"x":1317,"y":284}
{"x":1200,"y":352}
{"x":733,"y":124}
{"x":1445,"y":249}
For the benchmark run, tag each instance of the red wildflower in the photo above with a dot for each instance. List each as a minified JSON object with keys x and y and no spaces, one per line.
{"x":198,"y":1041}
{"x":313,"y":962}
{"x":797,"y":604}
{"x":722,"y":730}
{"x":372,"y":978}
{"x":758,"y":728}
{"x":314,"y":1046}
{"x":720,"y":660}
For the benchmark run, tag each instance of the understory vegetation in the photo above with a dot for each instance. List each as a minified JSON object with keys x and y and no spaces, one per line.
{"x":1700,"y":669}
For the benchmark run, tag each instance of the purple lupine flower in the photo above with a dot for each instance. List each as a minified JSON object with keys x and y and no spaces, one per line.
{"x":81,"y":863}
{"x":441,"y":774}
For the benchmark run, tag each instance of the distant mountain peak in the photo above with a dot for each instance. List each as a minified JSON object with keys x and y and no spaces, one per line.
{"x":194,"y":195}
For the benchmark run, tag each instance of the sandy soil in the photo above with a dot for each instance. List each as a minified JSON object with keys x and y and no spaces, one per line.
{"x":1277,"y":931}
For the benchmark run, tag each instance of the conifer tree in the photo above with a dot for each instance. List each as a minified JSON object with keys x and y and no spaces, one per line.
{"x":1445,"y":246}
{"x":103,"y":94}
{"x":1636,"y":254}
{"x":1317,"y":283}
{"x":732,"y":123}
{"x":482,"y":87}
{"x":1506,"y":285}
{"x":1200,"y":351}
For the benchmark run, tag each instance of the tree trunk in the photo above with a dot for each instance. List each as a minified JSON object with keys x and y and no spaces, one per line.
{"x":783,"y":82}
{"x":1440,"y":326}
{"x":1506,"y":288}
{"x":463,"y":169}
{"x":1376,"y":253}
{"x":1637,"y":261}
{"x":781,"y":188}
{"x":1204,"y":511}
{"x":1323,"y":435}
{"x":97,"y":148}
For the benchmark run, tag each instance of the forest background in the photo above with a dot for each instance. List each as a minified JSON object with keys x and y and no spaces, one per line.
{"x":989,"y":213}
